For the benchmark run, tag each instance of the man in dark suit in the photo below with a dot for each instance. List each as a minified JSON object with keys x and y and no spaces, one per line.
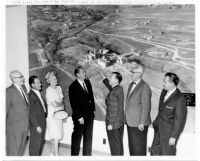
{"x":83,"y":108}
{"x":115,"y":113}
{"x":171,"y":117}
{"x":137,"y":112}
{"x":17,"y":114}
{"x":37,"y":119}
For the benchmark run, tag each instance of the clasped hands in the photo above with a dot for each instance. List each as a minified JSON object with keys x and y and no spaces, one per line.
{"x":59,"y":103}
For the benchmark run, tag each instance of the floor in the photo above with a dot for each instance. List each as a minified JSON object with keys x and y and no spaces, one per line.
{"x":64,"y":150}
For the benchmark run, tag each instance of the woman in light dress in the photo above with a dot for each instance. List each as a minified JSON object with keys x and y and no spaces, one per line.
{"x":54,"y":97}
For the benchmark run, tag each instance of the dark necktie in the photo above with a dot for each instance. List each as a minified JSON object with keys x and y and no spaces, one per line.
{"x":131,"y":86}
{"x":23,"y":95}
{"x":131,"y":89}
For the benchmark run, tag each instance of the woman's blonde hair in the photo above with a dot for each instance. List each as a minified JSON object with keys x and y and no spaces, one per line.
{"x":49,"y":76}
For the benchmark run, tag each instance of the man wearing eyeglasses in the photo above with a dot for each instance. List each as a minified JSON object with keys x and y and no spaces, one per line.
{"x":17,"y":115}
{"x":137,"y":112}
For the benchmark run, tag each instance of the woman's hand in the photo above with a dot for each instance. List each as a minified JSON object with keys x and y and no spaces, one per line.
{"x":59,"y":104}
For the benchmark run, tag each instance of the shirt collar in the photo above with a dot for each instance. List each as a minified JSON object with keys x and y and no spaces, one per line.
{"x":81,"y":82}
{"x":18,"y":87}
{"x":171,"y":91}
{"x":36,"y":91}
{"x":137,"y":81}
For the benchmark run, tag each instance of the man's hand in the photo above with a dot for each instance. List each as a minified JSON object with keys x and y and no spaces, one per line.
{"x":141,"y":127}
{"x":172,"y":141}
{"x":65,"y":120}
{"x":109,"y":127}
{"x":59,"y":104}
{"x":39,"y":129}
{"x":81,"y":121}
{"x":102,"y":74}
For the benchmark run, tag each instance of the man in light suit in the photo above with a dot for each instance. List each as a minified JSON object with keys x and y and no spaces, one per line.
{"x":137,"y":112}
{"x":17,"y":115}
{"x":115,"y":113}
{"x":83,"y":112}
{"x":171,"y":117}
{"x":37,"y":119}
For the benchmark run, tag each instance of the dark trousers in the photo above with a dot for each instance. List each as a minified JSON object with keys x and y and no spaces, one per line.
{"x":16,"y":143}
{"x":137,"y":140}
{"x":160,"y":146}
{"x":36,"y":142}
{"x":85,"y":131}
{"x":115,"y":139}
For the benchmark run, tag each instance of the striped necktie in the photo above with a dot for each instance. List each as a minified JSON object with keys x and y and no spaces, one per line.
{"x":24,"y":95}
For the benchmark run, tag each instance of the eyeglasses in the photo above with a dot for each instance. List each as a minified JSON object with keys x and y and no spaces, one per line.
{"x":134,"y":72}
{"x":19,"y":76}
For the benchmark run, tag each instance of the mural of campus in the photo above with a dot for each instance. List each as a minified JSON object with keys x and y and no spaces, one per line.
{"x":113,"y":38}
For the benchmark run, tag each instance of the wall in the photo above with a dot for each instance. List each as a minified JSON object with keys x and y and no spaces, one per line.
{"x":16,"y":42}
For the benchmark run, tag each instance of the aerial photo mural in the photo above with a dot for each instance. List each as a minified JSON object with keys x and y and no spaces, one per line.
{"x":110,"y":38}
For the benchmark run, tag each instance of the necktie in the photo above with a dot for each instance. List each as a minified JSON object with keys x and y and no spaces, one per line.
{"x":24,"y":95}
{"x":42,"y":101}
{"x":85,"y":87}
{"x":132,"y":87}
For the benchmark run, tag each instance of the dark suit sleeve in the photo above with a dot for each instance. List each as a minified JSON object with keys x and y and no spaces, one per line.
{"x":92,"y":95}
{"x":107,"y":84}
{"x":155,"y":122}
{"x":8,"y":100}
{"x":180,"y":117}
{"x":74,"y":103}
{"x":146,"y":104}
{"x":32,"y":114}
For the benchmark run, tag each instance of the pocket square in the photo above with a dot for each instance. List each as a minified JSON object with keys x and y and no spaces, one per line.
{"x":169,"y":107}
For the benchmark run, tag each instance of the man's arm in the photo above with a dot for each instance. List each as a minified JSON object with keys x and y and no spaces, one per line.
{"x":146,"y":104}
{"x":8,"y":100}
{"x":117,"y":101}
{"x":180,"y":117}
{"x":74,"y":103}
{"x":107,"y":84}
{"x":33,"y":111}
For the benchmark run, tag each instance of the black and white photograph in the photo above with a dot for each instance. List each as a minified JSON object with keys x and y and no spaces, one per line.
{"x":100,"y":80}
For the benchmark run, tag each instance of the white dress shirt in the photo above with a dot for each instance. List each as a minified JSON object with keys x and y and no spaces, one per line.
{"x":134,"y":85}
{"x":20,"y":89}
{"x":82,"y":83}
{"x":169,"y":93}
{"x":40,"y":97}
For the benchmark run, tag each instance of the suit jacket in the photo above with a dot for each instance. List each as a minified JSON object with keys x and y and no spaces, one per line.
{"x":115,"y":105}
{"x":172,"y":114}
{"x":82,"y":102}
{"x":138,"y":105}
{"x":17,"y":111}
{"x":37,"y":114}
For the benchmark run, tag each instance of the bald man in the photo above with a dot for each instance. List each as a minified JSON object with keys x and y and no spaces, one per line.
{"x":17,"y":115}
{"x":137,"y":112}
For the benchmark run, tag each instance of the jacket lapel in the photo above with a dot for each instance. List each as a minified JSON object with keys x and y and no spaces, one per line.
{"x":80,"y":86}
{"x":170,"y":97}
{"x":129,"y":95}
{"x":38,"y":99}
{"x":19,"y":94}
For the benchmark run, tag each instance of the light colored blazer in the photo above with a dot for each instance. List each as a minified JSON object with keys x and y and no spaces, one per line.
{"x":17,"y":111}
{"x":138,"y":105}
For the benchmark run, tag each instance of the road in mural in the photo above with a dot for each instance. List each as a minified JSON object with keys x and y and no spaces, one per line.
{"x":110,"y":38}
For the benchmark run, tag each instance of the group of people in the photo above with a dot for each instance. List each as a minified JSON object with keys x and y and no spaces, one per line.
{"x":33,"y":112}
{"x":168,"y":125}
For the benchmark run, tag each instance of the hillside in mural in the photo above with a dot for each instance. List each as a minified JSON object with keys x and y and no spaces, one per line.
{"x":113,"y":38}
